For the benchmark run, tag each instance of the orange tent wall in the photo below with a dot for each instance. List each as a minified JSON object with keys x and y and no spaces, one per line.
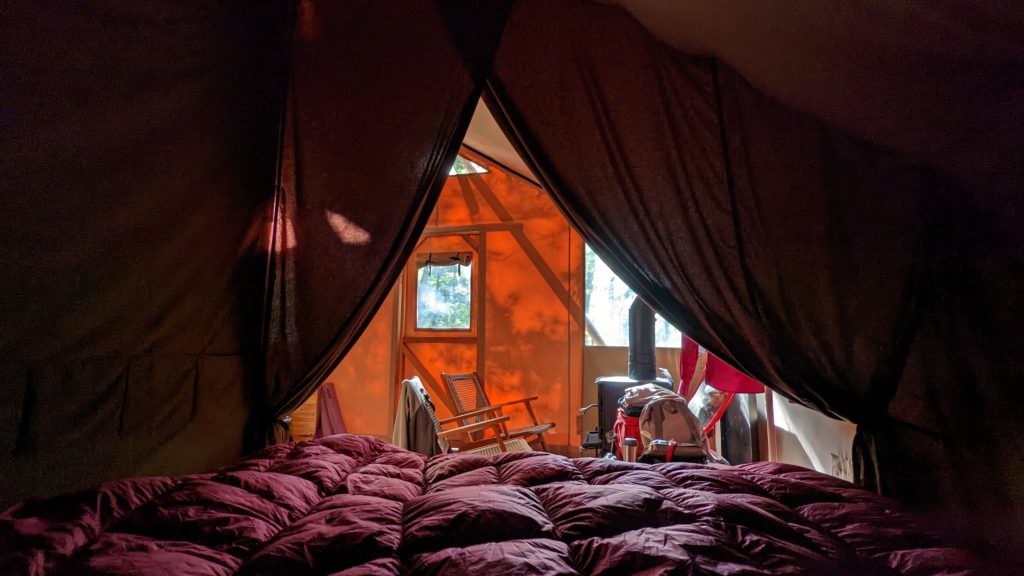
{"x":529,"y":341}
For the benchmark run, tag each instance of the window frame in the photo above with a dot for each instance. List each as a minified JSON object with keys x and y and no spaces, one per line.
{"x":412,"y":293}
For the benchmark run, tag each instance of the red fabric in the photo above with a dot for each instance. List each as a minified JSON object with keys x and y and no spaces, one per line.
{"x":689,"y":352}
{"x":724,"y":377}
{"x":627,"y":427}
{"x":527,"y":557}
{"x":340,"y":533}
{"x":118,"y":554}
{"x":524,"y":513}
{"x":717,"y":374}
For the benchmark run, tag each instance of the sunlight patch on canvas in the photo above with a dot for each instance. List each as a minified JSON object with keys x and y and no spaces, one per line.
{"x":349,"y":232}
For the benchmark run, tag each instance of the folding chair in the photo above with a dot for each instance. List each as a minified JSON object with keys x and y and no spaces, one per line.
{"x":461,"y":438}
{"x":472,"y":404}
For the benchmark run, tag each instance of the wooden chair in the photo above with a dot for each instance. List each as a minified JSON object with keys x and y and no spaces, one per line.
{"x":472,"y":405}
{"x":467,"y":439}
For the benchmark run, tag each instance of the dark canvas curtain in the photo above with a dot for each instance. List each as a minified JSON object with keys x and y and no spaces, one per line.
{"x":137,"y":146}
{"x":828,"y":267}
{"x":382,"y":93}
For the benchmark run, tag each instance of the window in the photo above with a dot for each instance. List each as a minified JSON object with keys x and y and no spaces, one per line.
{"x":464,"y":166}
{"x":442,"y":286}
{"x":444,"y":291}
{"x":607,"y":301}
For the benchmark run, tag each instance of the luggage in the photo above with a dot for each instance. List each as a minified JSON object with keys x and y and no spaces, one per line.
{"x":667,"y":418}
{"x":635,"y":398}
{"x":663,"y":416}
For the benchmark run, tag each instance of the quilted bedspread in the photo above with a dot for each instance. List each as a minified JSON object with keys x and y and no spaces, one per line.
{"x":353,"y":505}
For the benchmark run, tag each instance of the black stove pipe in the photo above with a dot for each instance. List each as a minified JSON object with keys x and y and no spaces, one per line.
{"x":642,"y":362}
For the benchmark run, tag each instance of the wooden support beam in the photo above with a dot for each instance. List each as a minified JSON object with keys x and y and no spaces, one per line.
{"x":550,"y":278}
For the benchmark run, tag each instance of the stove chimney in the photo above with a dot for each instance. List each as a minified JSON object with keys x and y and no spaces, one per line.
{"x":642,"y":362}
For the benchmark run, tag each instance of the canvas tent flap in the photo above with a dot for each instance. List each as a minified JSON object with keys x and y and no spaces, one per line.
{"x":135,"y":168}
{"x":828,"y":266}
{"x":933,"y":81}
{"x":139,"y":178}
{"x":376,"y":116}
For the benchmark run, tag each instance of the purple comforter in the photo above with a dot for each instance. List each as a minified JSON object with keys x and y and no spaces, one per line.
{"x":353,"y":505}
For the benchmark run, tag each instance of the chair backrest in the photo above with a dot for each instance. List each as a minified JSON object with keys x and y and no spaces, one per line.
{"x":415,"y":388}
{"x":467,"y":393}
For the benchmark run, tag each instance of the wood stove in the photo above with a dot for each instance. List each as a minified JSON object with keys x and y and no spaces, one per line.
{"x":641,"y":369}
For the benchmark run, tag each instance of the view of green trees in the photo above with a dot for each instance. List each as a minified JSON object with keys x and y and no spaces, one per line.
{"x":464,"y":166}
{"x":607,"y":302}
{"x":444,"y":297}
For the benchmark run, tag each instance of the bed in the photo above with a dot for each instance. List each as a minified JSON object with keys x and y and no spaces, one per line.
{"x":352,"y":505}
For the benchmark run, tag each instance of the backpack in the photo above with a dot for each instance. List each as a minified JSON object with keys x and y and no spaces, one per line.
{"x":667,"y":417}
{"x":639,"y":395}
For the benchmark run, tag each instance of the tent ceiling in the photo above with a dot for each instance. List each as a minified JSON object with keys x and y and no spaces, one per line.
{"x":930,"y":80}
{"x":485,"y":136}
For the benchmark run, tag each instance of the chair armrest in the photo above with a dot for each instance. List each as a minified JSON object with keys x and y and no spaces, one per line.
{"x":486,"y":424}
{"x":511,"y":402}
{"x":472,"y":413}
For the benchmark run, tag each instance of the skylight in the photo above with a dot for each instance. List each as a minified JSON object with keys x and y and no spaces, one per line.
{"x":463,"y":166}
